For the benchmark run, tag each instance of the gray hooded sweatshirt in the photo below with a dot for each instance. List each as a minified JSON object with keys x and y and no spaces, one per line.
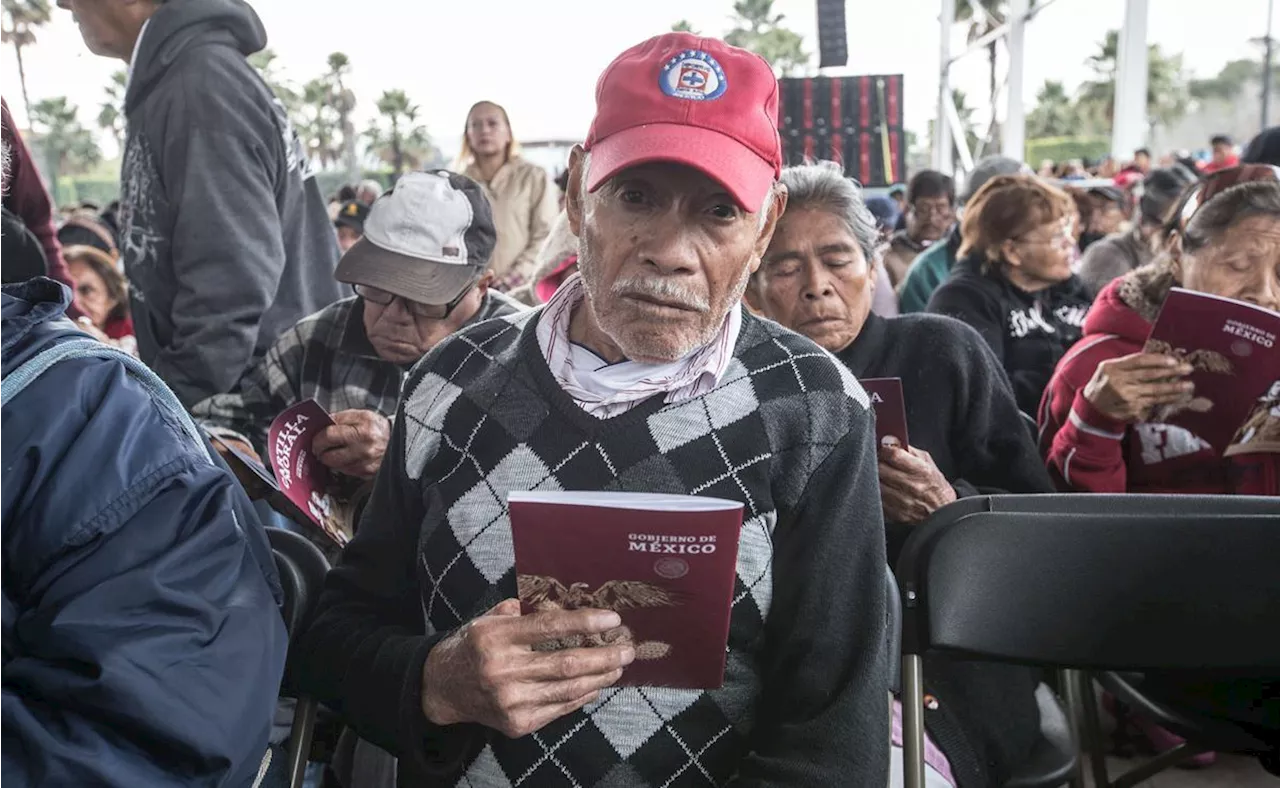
{"x":224,"y":234}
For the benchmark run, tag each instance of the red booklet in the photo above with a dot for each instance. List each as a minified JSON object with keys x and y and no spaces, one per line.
{"x":1233,"y":347}
{"x":301,"y":477}
{"x":665,"y":563}
{"x":891,"y":411}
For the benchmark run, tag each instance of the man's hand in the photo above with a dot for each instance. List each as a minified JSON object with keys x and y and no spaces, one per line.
{"x":354,"y":445}
{"x":911,"y":486}
{"x":488,"y":672}
{"x":1128,"y":388}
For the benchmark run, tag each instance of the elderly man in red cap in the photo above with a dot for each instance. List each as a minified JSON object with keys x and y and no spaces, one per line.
{"x":643,"y":373}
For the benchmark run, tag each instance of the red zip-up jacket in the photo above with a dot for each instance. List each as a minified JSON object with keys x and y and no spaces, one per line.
{"x":25,"y":196}
{"x":1087,"y":451}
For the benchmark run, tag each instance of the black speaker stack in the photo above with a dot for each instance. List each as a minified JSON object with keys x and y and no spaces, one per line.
{"x":853,"y":121}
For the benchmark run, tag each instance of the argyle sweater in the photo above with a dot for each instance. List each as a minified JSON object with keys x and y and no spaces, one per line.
{"x":787,"y":432}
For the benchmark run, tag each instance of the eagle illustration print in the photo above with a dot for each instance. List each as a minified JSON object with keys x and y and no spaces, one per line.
{"x":1200,"y":360}
{"x":542,"y":592}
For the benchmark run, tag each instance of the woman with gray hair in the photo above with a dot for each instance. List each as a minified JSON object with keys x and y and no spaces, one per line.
{"x":818,"y":278}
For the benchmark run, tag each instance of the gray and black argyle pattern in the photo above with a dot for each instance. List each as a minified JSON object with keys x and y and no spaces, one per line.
{"x":484,"y":416}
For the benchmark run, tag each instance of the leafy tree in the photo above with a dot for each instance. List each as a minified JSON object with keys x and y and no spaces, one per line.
{"x":343,"y":102}
{"x":684,"y":26}
{"x":1229,"y":82}
{"x":21,"y":20}
{"x":758,"y":29}
{"x":400,"y":140}
{"x":111,"y":115}
{"x":69,"y":147}
{"x":318,"y":123}
{"x":265,"y":62}
{"x":1054,"y":115}
{"x":1167,"y":93}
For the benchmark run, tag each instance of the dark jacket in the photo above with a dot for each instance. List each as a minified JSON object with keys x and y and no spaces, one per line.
{"x":224,"y":234}
{"x":20,"y":250}
{"x":960,"y":409}
{"x":1029,"y":332}
{"x":142,"y":640}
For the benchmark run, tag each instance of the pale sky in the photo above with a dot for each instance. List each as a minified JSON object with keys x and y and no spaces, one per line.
{"x":541,"y":59}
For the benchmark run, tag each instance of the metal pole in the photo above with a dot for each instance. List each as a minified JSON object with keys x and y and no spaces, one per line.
{"x":1015,"y":121}
{"x":1266,"y":68}
{"x":1129,"y":123}
{"x":941,"y":126}
{"x":912,"y":721}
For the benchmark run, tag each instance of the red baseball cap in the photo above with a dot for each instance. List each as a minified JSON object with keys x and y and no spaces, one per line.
{"x":693,"y":101}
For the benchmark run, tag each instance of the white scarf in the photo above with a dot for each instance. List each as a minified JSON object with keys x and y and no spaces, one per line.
{"x":604,"y":389}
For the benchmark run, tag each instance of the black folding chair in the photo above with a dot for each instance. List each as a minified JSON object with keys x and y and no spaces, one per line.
{"x":1124,"y":582}
{"x":302,"y":570}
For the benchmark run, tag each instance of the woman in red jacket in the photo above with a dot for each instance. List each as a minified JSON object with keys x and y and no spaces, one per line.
{"x":1224,"y":240}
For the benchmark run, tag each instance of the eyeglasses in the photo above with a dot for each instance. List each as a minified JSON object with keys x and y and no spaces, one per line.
{"x":416,"y":308}
{"x":1214,"y":184}
{"x":926,"y":211}
{"x":1062,"y":237}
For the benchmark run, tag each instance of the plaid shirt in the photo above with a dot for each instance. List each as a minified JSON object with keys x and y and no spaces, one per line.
{"x":325,"y":357}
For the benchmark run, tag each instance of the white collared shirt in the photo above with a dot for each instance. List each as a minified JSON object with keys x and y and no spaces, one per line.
{"x":133,"y":58}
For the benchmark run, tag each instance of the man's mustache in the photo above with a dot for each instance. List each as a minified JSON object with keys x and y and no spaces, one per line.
{"x":661,"y":289}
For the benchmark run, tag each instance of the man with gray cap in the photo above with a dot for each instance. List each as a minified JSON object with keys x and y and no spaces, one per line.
{"x":1120,"y":253}
{"x":419,"y":274}
{"x":932,"y":267}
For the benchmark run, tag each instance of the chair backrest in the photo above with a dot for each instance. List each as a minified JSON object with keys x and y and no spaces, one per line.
{"x":893,"y":629}
{"x":1098,"y":581}
{"x":307,"y":567}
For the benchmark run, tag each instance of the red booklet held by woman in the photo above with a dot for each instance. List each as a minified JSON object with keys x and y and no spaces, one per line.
{"x":890,"y":409}
{"x":665,"y":563}
{"x":1234,"y":349}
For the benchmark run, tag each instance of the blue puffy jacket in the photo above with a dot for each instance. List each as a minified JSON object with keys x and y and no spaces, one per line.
{"x":143,"y":644}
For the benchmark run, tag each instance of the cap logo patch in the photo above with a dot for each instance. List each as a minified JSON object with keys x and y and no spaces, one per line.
{"x":449,"y":251}
{"x":692,"y":75}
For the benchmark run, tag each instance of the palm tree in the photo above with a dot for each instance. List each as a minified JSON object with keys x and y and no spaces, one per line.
{"x":318,"y":123}
{"x":111,"y":115}
{"x":983,"y":17}
{"x":1167,"y":93}
{"x":402,"y":143}
{"x":21,"y":20}
{"x":1054,"y":114}
{"x":69,"y":147}
{"x":758,"y":29}
{"x":343,"y":102}
{"x":264,"y":61}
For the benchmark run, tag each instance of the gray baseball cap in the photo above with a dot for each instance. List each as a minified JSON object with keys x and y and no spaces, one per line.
{"x":988,"y":168}
{"x":429,"y":239}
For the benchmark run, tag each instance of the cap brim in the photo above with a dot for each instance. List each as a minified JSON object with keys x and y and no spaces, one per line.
{"x":414,"y":278}
{"x":742,"y":172}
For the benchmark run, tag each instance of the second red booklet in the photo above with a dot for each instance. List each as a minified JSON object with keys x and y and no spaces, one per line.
{"x":890,"y":409}
{"x":301,"y":477}
{"x":1234,"y":350}
{"x":665,"y":563}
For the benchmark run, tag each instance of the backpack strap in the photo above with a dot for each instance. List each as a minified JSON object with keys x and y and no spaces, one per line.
{"x":14,"y":383}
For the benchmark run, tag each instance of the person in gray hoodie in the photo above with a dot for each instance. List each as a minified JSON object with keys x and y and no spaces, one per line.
{"x":223,"y":230}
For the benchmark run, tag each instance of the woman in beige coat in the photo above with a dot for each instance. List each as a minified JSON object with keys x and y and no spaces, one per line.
{"x":522,"y":196}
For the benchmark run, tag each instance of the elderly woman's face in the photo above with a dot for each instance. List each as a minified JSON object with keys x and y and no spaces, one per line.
{"x":815,"y":279}
{"x":1041,"y":257}
{"x":91,"y":293}
{"x":664,"y":253}
{"x":1242,"y":263}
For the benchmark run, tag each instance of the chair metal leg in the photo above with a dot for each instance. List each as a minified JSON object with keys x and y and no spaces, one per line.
{"x":1071,"y":697}
{"x":1091,"y":733}
{"x":912,"y":721}
{"x":304,"y":723}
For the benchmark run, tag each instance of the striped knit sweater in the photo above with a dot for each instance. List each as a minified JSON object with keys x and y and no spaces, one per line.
{"x":787,"y":432}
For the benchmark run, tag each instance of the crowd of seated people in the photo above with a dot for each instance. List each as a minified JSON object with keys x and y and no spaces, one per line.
{"x":698,"y":316}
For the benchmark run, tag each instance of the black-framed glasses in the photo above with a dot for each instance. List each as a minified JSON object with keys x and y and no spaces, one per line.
{"x":416,"y":308}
